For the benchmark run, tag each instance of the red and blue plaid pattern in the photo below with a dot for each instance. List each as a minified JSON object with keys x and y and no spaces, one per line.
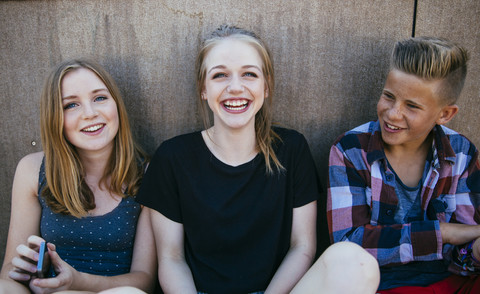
{"x":362,"y":201}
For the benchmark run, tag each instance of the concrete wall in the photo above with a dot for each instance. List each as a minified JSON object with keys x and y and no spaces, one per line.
{"x":330,"y":58}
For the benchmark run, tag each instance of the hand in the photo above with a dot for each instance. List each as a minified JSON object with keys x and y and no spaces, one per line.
{"x":62,"y":281}
{"x":25,"y":264}
{"x":476,"y":249}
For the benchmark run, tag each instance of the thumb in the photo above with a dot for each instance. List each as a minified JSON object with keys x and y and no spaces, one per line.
{"x":51,"y":246}
{"x":55,"y":259}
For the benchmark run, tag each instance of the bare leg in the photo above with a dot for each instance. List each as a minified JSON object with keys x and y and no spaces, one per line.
{"x":10,"y":286}
{"x":123,"y":290}
{"x":344,"y":267}
{"x":74,"y":292}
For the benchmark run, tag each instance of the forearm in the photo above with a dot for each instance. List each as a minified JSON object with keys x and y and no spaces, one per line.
{"x":458,"y":234}
{"x":295,"y":264}
{"x":175,"y":277}
{"x":95,"y":283}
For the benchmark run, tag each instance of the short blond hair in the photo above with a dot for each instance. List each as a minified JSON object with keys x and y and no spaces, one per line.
{"x":432,"y":58}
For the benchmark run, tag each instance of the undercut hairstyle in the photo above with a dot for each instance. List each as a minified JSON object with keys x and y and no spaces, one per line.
{"x":433,"y":59}
{"x":265,"y":136}
{"x":65,"y":190}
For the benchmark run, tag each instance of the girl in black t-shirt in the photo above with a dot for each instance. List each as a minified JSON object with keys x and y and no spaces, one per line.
{"x":233,"y":207}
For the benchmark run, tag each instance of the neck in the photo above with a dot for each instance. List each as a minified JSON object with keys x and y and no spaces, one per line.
{"x":94,"y":165}
{"x":234,"y":147}
{"x":419,"y":150}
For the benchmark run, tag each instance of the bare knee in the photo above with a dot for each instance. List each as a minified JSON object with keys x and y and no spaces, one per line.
{"x":349,"y":260}
{"x":343,"y":268}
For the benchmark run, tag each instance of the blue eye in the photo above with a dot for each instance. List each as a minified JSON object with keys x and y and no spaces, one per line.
{"x":219,"y":75}
{"x":69,"y":106}
{"x":251,"y":74}
{"x":100,"y":98}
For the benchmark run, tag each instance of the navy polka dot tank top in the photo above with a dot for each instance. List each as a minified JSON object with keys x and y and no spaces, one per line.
{"x":100,"y":245}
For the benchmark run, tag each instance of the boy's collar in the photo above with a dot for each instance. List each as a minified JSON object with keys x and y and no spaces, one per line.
{"x":442,"y":150}
{"x":375,"y":145}
{"x":442,"y":145}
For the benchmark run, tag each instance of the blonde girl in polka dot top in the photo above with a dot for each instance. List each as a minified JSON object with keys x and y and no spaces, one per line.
{"x":78,"y":194}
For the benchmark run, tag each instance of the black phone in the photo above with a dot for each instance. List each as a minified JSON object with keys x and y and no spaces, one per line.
{"x":43,"y":264}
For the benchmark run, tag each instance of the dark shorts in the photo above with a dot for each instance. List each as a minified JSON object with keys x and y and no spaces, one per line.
{"x":451,"y":285}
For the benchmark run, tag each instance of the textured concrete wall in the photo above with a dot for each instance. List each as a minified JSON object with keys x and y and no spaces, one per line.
{"x":330,"y":59}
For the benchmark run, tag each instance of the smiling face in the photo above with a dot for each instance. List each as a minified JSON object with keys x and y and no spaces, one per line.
{"x":409,"y":108}
{"x":234,"y":85}
{"x":90,"y":112}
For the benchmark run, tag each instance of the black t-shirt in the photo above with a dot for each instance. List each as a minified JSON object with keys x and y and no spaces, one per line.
{"x":237,"y":220}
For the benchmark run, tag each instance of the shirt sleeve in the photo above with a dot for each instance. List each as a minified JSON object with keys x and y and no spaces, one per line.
{"x":307,"y":185}
{"x":467,"y":211}
{"x":159,"y":188}
{"x":349,"y":213}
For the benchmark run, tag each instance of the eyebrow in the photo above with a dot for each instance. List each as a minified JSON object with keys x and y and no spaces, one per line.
{"x":223,"y":67}
{"x":414,"y":103}
{"x":93,"y":92}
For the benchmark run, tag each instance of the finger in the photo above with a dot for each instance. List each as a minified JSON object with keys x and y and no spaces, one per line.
{"x":54,"y":282}
{"x":34,"y":241}
{"x":27,"y":253}
{"x":51,"y":246}
{"x":39,"y":290}
{"x":18,"y":276}
{"x":22,"y":265}
{"x":56,"y":261}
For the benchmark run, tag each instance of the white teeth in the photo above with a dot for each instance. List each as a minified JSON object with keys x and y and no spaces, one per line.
{"x":92,"y":128}
{"x":392,"y":127}
{"x":236,"y":104}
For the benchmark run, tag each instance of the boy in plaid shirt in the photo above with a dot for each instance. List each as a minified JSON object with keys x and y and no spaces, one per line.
{"x":405,"y":187}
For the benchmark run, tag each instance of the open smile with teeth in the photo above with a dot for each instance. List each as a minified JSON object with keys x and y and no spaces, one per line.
{"x":93,"y":128}
{"x":392,"y":127}
{"x":235,"y":104}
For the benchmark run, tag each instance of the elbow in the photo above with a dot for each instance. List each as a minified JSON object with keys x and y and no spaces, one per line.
{"x":307,"y":250}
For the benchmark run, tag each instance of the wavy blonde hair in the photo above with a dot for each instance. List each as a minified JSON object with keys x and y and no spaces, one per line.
{"x":265,"y":136}
{"x":66,"y":191}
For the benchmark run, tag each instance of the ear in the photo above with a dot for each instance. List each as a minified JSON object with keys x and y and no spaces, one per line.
{"x":266,"y":93}
{"x":447,"y":113}
{"x":204,"y":94}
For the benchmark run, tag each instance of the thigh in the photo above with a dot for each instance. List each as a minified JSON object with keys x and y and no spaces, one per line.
{"x":10,"y":286}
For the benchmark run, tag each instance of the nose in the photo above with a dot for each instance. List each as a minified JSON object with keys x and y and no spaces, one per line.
{"x":89,"y":110}
{"x":395,"y":112}
{"x":235,"y":85}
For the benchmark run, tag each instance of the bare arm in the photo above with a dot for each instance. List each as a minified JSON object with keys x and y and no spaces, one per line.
{"x":173,"y":272}
{"x":301,"y":253}
{"x":458,"y":234}
{"x":17,"y":265}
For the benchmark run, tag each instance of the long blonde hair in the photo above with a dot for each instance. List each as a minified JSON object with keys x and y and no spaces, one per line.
{"x":66,"y":191}
{"x":265,"y":136}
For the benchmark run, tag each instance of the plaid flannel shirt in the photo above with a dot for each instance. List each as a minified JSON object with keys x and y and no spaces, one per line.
{"x":362,"y":201}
